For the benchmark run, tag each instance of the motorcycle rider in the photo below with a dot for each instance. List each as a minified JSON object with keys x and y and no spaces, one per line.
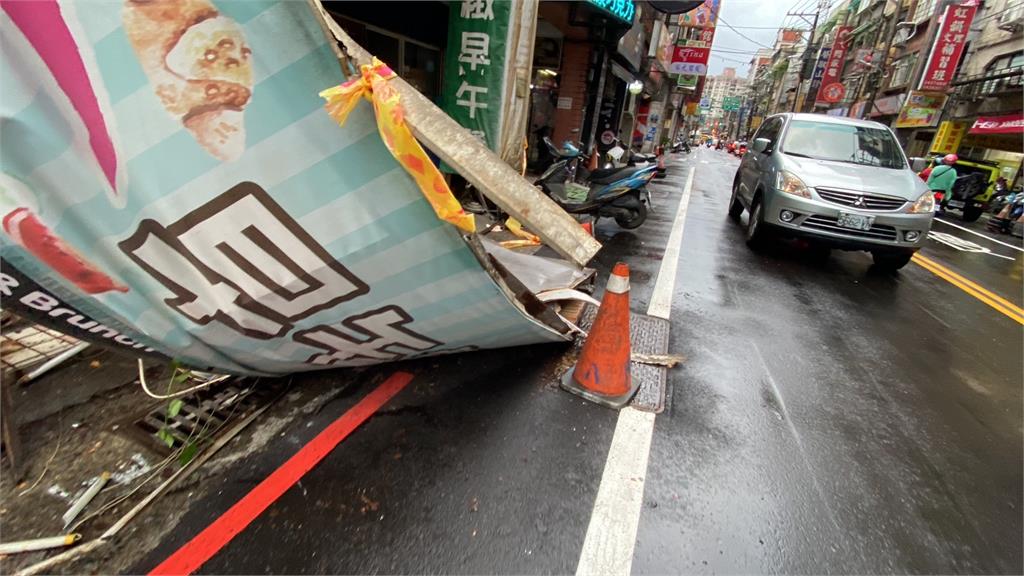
{"x":928,"y":170}
{"x":942,"y":179}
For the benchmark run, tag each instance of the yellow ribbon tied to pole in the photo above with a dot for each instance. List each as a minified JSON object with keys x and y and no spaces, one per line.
{"x":372,"y":84}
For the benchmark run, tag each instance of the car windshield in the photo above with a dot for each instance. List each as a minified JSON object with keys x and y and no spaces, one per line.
{"x":843,"y":143}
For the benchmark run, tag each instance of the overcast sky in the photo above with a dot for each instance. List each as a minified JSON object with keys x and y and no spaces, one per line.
{"x":730,"y":48}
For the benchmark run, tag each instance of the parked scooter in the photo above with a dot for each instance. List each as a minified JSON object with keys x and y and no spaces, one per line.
{"x":618,"y":192}
{"x":681,"y":145}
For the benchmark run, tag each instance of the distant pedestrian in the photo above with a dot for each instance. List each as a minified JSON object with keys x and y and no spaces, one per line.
{"x":942,"y":178}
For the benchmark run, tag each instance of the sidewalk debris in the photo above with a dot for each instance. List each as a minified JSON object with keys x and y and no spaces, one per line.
{"x":53,"y":363}
{"x":84,"y":499}
{"x":47,"y":566}
{"x":666,"y":360}
{"x":46,"y":467}
{"x":39,"y":544}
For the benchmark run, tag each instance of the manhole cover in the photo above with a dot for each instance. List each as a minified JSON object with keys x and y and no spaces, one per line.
{"x":647,"y":335}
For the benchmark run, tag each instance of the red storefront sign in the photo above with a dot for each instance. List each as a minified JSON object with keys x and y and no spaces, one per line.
{"x":1011,"y":124}
{"x":949,"y":45}
{"x":829,"y":92}
{"x":689,"y":60}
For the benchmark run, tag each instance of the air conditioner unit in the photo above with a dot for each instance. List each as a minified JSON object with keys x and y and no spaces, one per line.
{"x":904,"y":32}
{"x":1010,"y":19}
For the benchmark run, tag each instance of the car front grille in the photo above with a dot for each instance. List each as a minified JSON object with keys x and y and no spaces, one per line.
{"x":828,"y":224}
{"x":869,"y":201}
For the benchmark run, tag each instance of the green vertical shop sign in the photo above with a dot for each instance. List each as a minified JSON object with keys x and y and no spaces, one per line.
{"x":475,"y":66}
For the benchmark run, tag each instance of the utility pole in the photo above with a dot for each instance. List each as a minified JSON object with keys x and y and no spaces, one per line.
{"x":810,"y":44}
{"x":876,"y":72}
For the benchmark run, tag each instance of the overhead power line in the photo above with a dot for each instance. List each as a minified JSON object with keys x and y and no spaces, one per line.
{"x":741,"y":34}
{"x":730,"y":59}
{"x":754,"y":27}
{"x":728,"y":49}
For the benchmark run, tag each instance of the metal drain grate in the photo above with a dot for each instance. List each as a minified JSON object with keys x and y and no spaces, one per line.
{"x":204,"y":412}
{"x":647,"y":335}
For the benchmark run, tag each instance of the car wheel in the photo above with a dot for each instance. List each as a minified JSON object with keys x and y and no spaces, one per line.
{"x":757,"y":232}
{"x":889,"y":262}
{"x":735,"y":206}
{"x":972,"y":213}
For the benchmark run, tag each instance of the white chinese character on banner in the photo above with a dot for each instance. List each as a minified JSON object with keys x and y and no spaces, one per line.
{"x":943,"y":61}
{"x":948,"y":49}
{"x":366,"y":339}
{"x":960,"y":13}
{"x":956,"y":26}
{"x":475,"y":47}
{"x":939,"y":75}
{"x":241,"y":260}
{"x":477,"y":9}
{"x":471,"y":102}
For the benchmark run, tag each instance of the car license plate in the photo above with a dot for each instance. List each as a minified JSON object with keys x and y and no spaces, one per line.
{"x":956,"y":204}
{"x":855,"y":221}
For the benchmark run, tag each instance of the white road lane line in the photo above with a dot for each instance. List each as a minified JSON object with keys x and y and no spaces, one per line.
{"x":661,"y":299}
{"x":969,"y":231}
{"x":611,"y":535}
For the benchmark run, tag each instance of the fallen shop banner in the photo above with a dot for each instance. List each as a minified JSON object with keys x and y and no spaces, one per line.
{"x":173,"y":185}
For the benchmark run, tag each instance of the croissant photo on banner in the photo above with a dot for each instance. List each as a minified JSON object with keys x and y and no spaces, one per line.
{"x":172,"y":184}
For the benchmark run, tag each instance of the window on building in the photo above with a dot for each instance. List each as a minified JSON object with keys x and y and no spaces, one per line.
{"x":923,"y":10}
{"x":1000,"y":66}
{"x":902,"y":69}
{"x":418,"y":63}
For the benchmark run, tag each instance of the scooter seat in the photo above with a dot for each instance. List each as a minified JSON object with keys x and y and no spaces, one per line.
{"x":609,"y":175}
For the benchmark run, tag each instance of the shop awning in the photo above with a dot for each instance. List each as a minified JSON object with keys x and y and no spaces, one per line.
{"x":1009,"y":124}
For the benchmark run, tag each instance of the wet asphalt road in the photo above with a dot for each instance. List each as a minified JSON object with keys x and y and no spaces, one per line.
{"x":827,"y":419}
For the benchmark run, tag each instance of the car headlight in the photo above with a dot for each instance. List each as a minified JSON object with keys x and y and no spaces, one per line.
{"x":790,"y":184}
{"x":925,"y":204}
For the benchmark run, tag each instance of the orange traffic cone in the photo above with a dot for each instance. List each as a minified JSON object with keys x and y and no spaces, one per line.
{"x":602,"y":373}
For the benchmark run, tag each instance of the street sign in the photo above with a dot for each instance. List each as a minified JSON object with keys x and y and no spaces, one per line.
{"x":703,"y":16}
{"x":947,"y":137}
{"x":832,"y":93}
{"x":475,"y":68}
{"x":689,"y":60}
{"x":731,"y":103}
{"x":921,"y":110}
{"x":949,"y":45}
{"x":688,"y":81}
{"x":834,"y":67}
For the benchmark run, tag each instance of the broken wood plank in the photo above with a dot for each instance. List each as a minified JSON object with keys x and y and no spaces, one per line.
{"x":666,"y":360}
{"x":481,"y":167}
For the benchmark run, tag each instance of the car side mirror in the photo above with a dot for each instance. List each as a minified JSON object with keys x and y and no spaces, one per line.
{"x":761,"y":144}
{"x":918,"y":164}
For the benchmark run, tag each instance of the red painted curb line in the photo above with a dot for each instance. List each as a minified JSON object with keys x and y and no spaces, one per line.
{"x":197,"y":551}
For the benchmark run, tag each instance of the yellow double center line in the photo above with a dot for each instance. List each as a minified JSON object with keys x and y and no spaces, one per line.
{"x":998,"y":302}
